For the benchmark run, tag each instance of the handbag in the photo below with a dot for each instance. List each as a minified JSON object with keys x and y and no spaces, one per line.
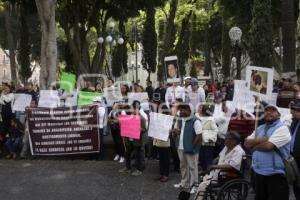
{"x":209,"y":135}
{"x":291,"y":169}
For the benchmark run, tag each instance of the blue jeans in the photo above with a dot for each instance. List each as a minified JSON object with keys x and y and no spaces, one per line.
{"x":13,"y":145}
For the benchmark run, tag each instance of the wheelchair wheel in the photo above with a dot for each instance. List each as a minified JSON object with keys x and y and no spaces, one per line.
{"x":236,"y":189}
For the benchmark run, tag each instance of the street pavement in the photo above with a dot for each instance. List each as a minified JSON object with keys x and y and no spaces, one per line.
{"x":82,"y":178}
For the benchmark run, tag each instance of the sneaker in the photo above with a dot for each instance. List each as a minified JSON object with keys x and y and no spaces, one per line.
{"x":117,"y":157}
{"x":178,"y":185}
{"x":136,"y":173}
{"x":124,"y":170}
{"x":122,"y":160}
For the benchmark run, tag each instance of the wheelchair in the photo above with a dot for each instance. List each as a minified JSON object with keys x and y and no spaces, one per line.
{"x":231,"y":185}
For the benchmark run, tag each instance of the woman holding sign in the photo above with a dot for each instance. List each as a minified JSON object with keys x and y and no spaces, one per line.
{"x":164,"y":152}
{"x":133,"y":143}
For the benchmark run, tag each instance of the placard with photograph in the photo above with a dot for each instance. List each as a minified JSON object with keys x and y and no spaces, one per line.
{"x":260,"y":81}
{"x":172,"y":69}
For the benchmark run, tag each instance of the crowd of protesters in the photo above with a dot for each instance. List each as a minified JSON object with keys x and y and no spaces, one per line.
{"x":202,"y":130}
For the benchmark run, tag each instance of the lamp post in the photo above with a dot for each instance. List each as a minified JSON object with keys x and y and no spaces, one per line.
{"x":111,"y":40}
{"x":235,"y":34}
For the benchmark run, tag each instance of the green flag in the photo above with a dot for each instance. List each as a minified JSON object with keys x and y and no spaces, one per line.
{"x":87,"y":98}
{"x":67,"y":81}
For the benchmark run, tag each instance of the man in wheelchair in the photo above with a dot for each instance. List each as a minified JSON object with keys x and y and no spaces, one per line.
{"x":228,"y":167}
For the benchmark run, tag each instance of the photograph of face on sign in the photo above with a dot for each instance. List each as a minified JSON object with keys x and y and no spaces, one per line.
{"x":260,"y":81}
{"x":172,"y":70}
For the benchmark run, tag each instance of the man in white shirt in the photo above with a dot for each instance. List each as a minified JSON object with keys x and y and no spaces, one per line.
{"x":230,"y":161}
{"x":174,"y":92}
{"x":269,"y":143}
{"x":195,"y":96}
{"x":187,"y":139}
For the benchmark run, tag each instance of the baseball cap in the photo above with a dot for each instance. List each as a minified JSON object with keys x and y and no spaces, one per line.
{"x":295,"y":105}
{"x":194,"y":82}
{"x":186,"y":78}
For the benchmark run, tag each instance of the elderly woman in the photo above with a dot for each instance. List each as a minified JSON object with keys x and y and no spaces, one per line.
{"x":230,"y":160}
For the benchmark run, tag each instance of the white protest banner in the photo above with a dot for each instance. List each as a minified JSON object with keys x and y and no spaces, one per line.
{"x":21,"y":102}
{"x":49,"y":99}
{"x":112,"y":95}
{"x":142,"y":97}
{"x":160,"y":126}
{"x":242,"y":98}
{"x":260,"y":81}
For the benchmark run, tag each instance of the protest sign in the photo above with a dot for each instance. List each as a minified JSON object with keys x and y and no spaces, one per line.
{"x":72,"y":99}
{"x":63,"y":131}
{"x":260,"y":81}
{"x":272,"y":100}
{"x":142,"y":97}
{"x":242,"y":98}
{"x":160,"y":126}
{"x":112,"y":95}
{"x":88,"y":98}
{"x":67,"y":81}
{"x":130,"y":126}
{"x":21,"y":101}
{"x":172,"y":69}
{"x":49,"y":99}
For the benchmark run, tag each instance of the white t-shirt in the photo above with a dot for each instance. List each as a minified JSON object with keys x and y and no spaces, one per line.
{"x":101,"y":113}
{"x":233,"y":158}
{"x":279,"y":138}
{"x":174,"y":93}
{"x":197,"y":128}
{"x":195,"y":98}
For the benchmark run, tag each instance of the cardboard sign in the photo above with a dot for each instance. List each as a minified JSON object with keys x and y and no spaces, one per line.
{"x":130,"y":126}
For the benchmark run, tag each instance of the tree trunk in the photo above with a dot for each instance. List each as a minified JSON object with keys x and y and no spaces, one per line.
{"x":288,"y":36}
{"x":238,"y":63}
{"x":225,"y":51}
{"x":169,"y":38}
{"x":12,"y":54}
{"x":46,"y":10}
{"x":207,"y":69}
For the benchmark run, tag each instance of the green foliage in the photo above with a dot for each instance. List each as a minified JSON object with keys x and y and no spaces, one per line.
{"x":261,"y":37}
{"x":117,"y":61}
